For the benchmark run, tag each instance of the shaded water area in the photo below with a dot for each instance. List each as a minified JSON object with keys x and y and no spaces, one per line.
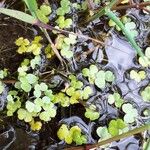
{"x":117,"y":55}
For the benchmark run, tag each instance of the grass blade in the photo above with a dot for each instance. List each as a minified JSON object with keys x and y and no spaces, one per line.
{"x":19,"y":15}
{"x":32,"y":6}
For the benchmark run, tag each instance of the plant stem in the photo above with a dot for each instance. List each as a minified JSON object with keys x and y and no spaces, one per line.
{"x":101,"y":12}
{"x":113,"y":17}
{"x":115,"y":138}
{"x":53,"y":46}
{"x":124,"y":135}
{"x":49,"y":27}
{"x":143,"y":4}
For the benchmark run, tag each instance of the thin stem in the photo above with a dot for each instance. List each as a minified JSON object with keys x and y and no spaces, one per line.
{"x":124,"y":135}
{"x":48,"y":27}
{"x":143,"y":4}
{"x":115,"y":138}
{"x":53,"y":46}
{"x":127,"y":33}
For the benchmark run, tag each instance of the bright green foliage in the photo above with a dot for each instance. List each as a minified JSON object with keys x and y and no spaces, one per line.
{"x":86,"y":92}
{"x":130,"y":113}
{"x":145,"y":61}
{"x":90,"y":73}
{"x":27,"y":81}
{"x":25,"y":62}
{"x":43,"y":12}
{"x":98,"y":77}
{"x":137,"y":76}
{"x":146,"y":94}
{"x":74,"y":134}
{"x":129,"y":25}
{"x":13,"y":103}
{"x":1,"y":87}
{"x":3,"y":73}
{"x":91,"y":113}
{"x":49,"y":52}
{"x":73,"y":93}
{"x":64,"y":23}
{"x":36,"y":61}
{"x":19,"y":15}
{"x":115,"y":98}
{"x":76,"y":6}
{"x":76,"y":84}
{"x":64,"y":45}
{"x":62,"y":99}
{"x":42,"y":108}
{"x":64,"y":9}
{"x":103,"y":133}
{"x":29,"y":47}
{"x":22,"y":70}
{"x":35,"y":126}
{"x":25,"y":115}
{"x":116,"y":127}
{"x":61,"y":11}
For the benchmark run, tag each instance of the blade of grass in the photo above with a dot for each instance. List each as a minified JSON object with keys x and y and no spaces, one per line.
{"x":19,"y":15}
{"x":101,"y":12}
{"x":113,"y":17}
{"x":32,"y":6}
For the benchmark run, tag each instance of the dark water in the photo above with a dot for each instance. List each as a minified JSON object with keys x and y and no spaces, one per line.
{"x":121,"y":58}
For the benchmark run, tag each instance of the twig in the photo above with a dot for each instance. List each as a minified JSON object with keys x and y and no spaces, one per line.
{"x":143,"y":4}
{"x":49,"y":27}
{"x":53,"y":46}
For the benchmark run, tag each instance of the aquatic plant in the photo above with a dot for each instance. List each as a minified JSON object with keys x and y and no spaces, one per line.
{"x":98,"y":77}
{"x":137,"y":76}
{"x":131,"y":113}
{"x":146,"y":94}
{"x":74,"y":134}
{"x":92,"y":113}
{"x":115,"y":99}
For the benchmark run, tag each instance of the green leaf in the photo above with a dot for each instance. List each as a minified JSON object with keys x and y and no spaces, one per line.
{"x":62,"y":132}
{"x":109,"y":76}
{"x":44,"y":116}
{"x":37,"y":93}
{"x":26,"y":87}
{"x":31,"y":78}
{"x":100,"y":82}
{"x":46,"y":10}
{"x":1,"y":87}
{"x":147,"y":52}
{"x":103,"y":133}
{"x":41,"y":16}
{"x":91,"y":113}
{"x":30,"y":106}
{"x":18,"y":15}
{"x":130,"y":113}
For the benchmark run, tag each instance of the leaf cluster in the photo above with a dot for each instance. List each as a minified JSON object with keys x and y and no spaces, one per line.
{"x":145,"y":61}
{"x":115,"y":99}
{"x":74,"y":134}
{"x":146,"y":94}
{"x":131,"y":113}
{"x":43,"y":13}
{"x":25,"y":46}
{"x":98,"y":77}
{"x":92,"y":113}
{"x":137,"y":75}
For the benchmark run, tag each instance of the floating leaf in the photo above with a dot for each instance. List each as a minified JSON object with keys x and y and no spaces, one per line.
{"x":130,"y":113}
